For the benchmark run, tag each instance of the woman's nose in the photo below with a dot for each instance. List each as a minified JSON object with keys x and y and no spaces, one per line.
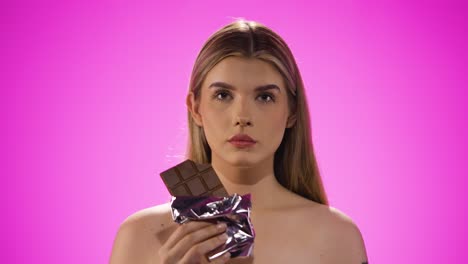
{"x":242,"y":112}
{"x":242,"y":121}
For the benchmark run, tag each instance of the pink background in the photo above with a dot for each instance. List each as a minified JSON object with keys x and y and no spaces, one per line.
{"x":92,"y":109}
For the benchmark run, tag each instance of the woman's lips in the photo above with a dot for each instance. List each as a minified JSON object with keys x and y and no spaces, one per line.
{"x":242,"y":144}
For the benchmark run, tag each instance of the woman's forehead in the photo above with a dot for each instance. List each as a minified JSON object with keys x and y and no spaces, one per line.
{"x":244,"y":72}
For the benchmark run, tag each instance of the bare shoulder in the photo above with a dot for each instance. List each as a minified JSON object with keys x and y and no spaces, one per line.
{"x":331,"y":235}
{"x":150,"y":219}
{"x":342,"y":239}
{"x":141,"y":234}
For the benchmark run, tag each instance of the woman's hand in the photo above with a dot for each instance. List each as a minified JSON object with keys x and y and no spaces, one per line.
{"x":190,"y":243}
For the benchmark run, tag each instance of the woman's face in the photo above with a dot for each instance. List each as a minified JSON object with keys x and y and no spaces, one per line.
{"x":242,"y":96}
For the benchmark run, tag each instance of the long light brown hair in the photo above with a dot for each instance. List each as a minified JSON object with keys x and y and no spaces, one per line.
{"x":295,"y":164}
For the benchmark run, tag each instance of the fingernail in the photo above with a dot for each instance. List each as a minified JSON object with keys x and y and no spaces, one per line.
{"x":221,"y":226}
{"x":227,"y":255}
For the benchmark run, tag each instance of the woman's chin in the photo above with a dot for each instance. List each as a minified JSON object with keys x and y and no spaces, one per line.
{"x":243,"y":164}
{"x":244,"y":161}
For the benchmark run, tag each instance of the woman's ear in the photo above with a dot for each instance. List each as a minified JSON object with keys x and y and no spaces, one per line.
{"x":291,"y":121}
{"x":193,"y":106}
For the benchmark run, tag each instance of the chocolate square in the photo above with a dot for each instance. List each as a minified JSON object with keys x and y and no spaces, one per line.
{"x":193,"y":179}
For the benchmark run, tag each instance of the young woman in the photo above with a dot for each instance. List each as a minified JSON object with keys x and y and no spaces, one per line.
{"x":248,"y":117}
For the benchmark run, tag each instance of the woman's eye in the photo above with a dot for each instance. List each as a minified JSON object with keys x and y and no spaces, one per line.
{"x":221,"y":95}
{"x":266,"y":98}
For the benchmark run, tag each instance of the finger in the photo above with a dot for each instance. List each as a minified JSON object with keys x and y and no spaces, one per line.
{"x":176,"y":252}
{"x":213,"y":233}
{"x":184,"y":229}
{"x":222,"y":259}
{"x":199,"y":251}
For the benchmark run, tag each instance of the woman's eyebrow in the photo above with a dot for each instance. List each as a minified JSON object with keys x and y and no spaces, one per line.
{"x":257,"y":89}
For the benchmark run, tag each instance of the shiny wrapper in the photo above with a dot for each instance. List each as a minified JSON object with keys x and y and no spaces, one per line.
{"x":233,"y":210}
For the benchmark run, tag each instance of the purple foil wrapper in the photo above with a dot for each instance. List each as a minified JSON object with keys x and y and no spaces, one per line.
{"x":233,"y":210}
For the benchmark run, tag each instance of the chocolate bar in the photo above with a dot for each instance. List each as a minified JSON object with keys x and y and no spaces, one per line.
{"x":193,"y":179}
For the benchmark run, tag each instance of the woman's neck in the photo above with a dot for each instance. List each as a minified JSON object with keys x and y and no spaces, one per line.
{"x":258,"y":180}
